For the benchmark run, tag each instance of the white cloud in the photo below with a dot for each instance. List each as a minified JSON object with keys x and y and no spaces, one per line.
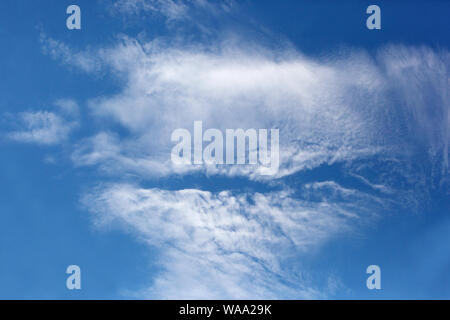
{"x":115,"y":156}
{"x":45,"y":127}
{"x":41,"y":127}
{"x":328,"y":111}
{"x":369,"y":113}
{"x":59,"y":51}
{"x":224,"y":245}
{"x":172,"y":9}
{"x":321,"y":120}
{"x":420,"y":78}
{"x":68,"y":106}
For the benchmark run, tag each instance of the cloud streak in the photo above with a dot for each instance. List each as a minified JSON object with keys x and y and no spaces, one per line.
{"x":45,"y":127}
{"x":319,"y":121}
{"x":224,"y":245}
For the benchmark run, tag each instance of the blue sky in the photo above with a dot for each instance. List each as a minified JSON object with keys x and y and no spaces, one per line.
{"x":85,"y":122}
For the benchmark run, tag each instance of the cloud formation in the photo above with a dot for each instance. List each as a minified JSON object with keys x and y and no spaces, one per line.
{"x":171,"y":9}
{"x":224,"y":245}
{"x":309,"y":101}
{"x":371,"y":114}
{"x":341,"y":109}
{"x":46,"y":127}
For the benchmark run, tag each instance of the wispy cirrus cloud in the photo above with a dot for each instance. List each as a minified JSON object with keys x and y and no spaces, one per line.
{"x":341,"y":109}
{"x":308,"y":100}
{"x":366,"y":113}
{"x":172,"y":9}
{"x":420,"y":80}
{"x":45,"y":127}
{"x":59,"y":51}
{"x":225,"y":245}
